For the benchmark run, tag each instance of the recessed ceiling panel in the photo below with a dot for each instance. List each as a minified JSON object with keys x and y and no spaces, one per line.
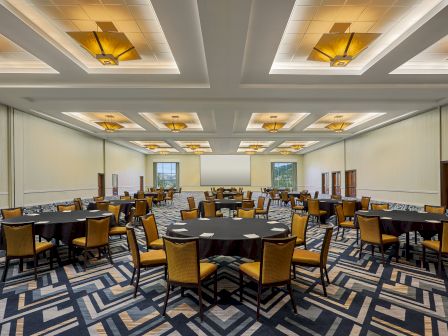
{"x":378,"y":25}
{"x":14,"y":59}
{"x":352,"y":119}
{"x":92,"y":118}
{"x":294,"y":146}
{"x":256,"y":146}
{"x":289,"y":120}
{"x":155,"y":147}
{"x":134,"y":21}
{"x":160,"y":119}
{"x":195,"y":146}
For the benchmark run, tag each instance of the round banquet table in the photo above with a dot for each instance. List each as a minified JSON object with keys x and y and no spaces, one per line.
{"x":221,"y":204}
{"x":62,"y":226}
{"x":328,"y":204}
{"x":125,"y":206}
{"x":398,"y":222}
{"x":227,"y":194}
{"x":228,"y":238}
{"x":296,"y":193}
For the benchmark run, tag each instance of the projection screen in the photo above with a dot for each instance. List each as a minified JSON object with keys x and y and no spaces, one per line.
{"x":225,"y":170}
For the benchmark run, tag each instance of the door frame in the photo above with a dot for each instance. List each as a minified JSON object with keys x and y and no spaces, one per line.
{"x":443,"y":183}
{"x":101,"y":185}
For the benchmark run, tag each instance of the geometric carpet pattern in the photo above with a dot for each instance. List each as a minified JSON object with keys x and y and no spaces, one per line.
{"x":364,"y":297}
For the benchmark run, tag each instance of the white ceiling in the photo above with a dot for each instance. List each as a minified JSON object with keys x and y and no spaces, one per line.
{"x":224,"y":52}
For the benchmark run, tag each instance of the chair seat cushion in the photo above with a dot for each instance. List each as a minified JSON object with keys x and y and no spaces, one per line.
{"x":260,"y":211}
{"x":389,"y":239}
{"x":252,"y":269}
{"x":117,"y":230}
{"x":81,"y":241}
{"x":306,"y":257}
{"x":347,"y":224}
{"x":432,"y":244}
{"x":205,"y":269}
{"x":218,"y":213}
{"x":298,"y":207}
{"x":156,"y":244}
{"x":300,"y":241}
{"x":153,"y":257}
{"x":43,"y":246}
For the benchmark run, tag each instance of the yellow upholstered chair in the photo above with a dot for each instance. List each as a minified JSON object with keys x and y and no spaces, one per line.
{"x":365,"y":202}
{"x":20,"y":244}
{"x":299,"y":225}
{"x":125,"y":198}
{"x":248,"y":204}
{"x":151,"y":233}
{"x":115,"y":210}
{"x":220,"y":195}
{"x":313,"y":209}
{"x":12,"y":213}
{"x":294,"y":206}
{"x":206,"y":194}
{"x":438,"y":246}
{"x":116,"y":230}
{"x":435,"y":209}
{"x":316,"y":194}
{"x":191,"y":203}
{"x":140,"y":194}
{"x":149,"y":203}
{"x":377,"y":206}
{"x":343,"y":223}
{"x":102,"y":205}
{"x":245,"y":213}
{"x":97,"y":237}
{"x":210,"y":210}
{"x":160,"y":197}
{"x":371,"y":233}
{"x":273,"y":270}
{"x":284,"y":197}
{"x":336,"y":197}
{"x":78,"y":204}
{"x":315,"y":259}
{"x":349,"y":208}
{"x":98,"y":198}
{"x":153,"y":258}
{"x":66,"y":207}
{"x":140,"y":208}
{"x":185,"y":270}
{"x":126,"y":193}
{"x":189,"y":214}
{"x":170,"y":196}
{"x":260,"y":211}
{"x":248,"y":195}
{"x":274,"y":196}
{"x":238,"y":197}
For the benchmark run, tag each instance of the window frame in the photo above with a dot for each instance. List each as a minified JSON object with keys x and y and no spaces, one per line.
{"x":325,"y":189}
{"x":350,"y":190}
{"x":155,"y":174}
{"x":294,"y":175}
{"x":336,"y":187}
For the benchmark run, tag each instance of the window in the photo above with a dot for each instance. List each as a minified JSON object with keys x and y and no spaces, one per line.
{"x":350,"y":183}
{"x":284,"y":175}
{"x":325,"y":183}
{"x":166,"y":174}
{"x":336,"y":183}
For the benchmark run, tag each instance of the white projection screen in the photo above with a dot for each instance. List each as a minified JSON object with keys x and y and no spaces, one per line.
{"x":225,"y":170}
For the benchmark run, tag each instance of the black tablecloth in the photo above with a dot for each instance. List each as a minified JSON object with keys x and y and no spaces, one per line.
{"x":227,"y":194}
{"x":125,"y":206}
{"x":228,"y":238}
{"x":296,"y":193}
{"x":63,"y":226}
{"x":328,"y":204}
{"x":221,"y":204}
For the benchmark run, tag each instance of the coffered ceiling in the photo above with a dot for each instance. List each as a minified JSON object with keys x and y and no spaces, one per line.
{"x":223,"y":68}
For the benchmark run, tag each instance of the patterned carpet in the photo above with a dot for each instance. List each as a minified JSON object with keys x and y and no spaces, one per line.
{"x":364,"y":297}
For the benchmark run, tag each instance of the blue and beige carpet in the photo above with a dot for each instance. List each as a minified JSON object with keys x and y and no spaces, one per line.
{"x":364,"y":298}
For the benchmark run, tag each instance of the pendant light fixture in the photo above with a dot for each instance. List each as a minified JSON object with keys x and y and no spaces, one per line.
{"x":273,"y":126}
{"x":175,"y":126}
{"x":109,"y":125}
{"x":338,"y":126}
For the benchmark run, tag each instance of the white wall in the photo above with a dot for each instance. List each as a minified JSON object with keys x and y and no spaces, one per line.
{"x":127,"y":163}
{"x":3,"y":158}
{"x":398,"y":163}
{"x":190,"y":175}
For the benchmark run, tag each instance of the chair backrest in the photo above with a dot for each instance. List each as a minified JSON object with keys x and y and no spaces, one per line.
{"x":97,"y":231}
{"x":182,"y":256}
{"x":238,"y":197}
{"x":125,"y":198}
{"x":292,"y":201}
{"x":284,"y":196}
{"x":98,"y":198}
{"x":115,"y":209}
{"x":78,"y":204}
{"x":66,"y":207}
{"x":126,"y":193}
{"x":140,"y":194}
{"x":133,"y":245}
{"x":160,"y":195}
{"x":316,"y":194}
{"x":152,"y":189}
{"x":149,"y":202}
{"x":189,"y":214}
{"x":170,"y":194}
{"x":272,"y":194}
{"x":260,"y":202}
{"x":150,"y":228}
{"x":435,"y":209}
{"x":299,"y":225}
{"x":219,"y":195}
{"x":384,"y":206}
{"x":326,"y":245}
{"x":131,"y":216}
{"x":349,"y":207}
{"x":444,"y":239}
{"x":245,"y":213}
{"x":339,"y":213}
{"x":140,"y":207}
{"x":365,"y":202}
{"x":276,"y":258}
{"x":249,"y":194}
{"x":336,"y":197}
{"x":11,"y":213}
{"x":206,"y":194}
{"x":209,"y":209}
{"x":269,"y":205}
{"x":19,"y":239}
{"x":102,"y":205}
{"x":191,"y":202}
{"x":313,"y":207}
{"x":370,"y":229}
{"x":248,"y":204}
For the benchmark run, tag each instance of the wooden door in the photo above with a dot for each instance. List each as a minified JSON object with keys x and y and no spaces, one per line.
{"x":336,"y":183}
{"x":350,"y":183}
{"x":101,"y":187}
{"x":444,"y":183}
{"x":141,"y":183}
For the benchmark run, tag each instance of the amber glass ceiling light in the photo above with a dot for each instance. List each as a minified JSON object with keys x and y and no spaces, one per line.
{"x":109,"y":125}
{"x":274,"y":126}
{"x":108,"y":47}
{"x":152,"y":146}
{"x":338,"y":125}
{"x":338,"y":47}
{"x":193,"y":147}
{"x":255,"y":147}
{"x":163,"y":152}
{"x":285,"y":152}
{"x":296,"y":147}
{"x":174,"y":125}
{"x":251,"y":152}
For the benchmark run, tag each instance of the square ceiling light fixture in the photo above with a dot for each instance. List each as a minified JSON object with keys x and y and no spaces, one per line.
{"x":155,"y":147}
{"x":107,"y":121}
{"x":173,"y":121}
{"x":340,"y":122}
{"x":274,"y":122}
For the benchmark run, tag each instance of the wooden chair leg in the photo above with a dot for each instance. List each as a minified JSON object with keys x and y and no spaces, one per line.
{"x":258,"y":301}
{"x":201,"y":313}
{"x":294,"y":271}
{"x":382,"y":254}
{"x":372,"y":247}
{"x":326,"y":273}
{"x":241,"y":286}
{"x":337,"y":234}
{"x":5,"y":271}
{"x":165,"y":272}
{"x":397,"y":252}
{"x":136,"y":282}
{"x":51,"y":258}
{"x":215,"y":288}
{"x":360,"y":250}
{"x":99,"y":253}
{"x":168,"y":286}
{"x":84,"y":254}
{"x":292,"y":298}
{"x":110,"y":254}
{"x":35,"y":267}
{"x":21,"y":265}
{"x":415,"y":237}
{"x":182,"y":292}
{"x":423,"y":255}
{"x":343,"y":231}
{"x":322,"y":280}
{"x":133,"y":276}
{"x":357,"y":236}
{"x":440,"y":263}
